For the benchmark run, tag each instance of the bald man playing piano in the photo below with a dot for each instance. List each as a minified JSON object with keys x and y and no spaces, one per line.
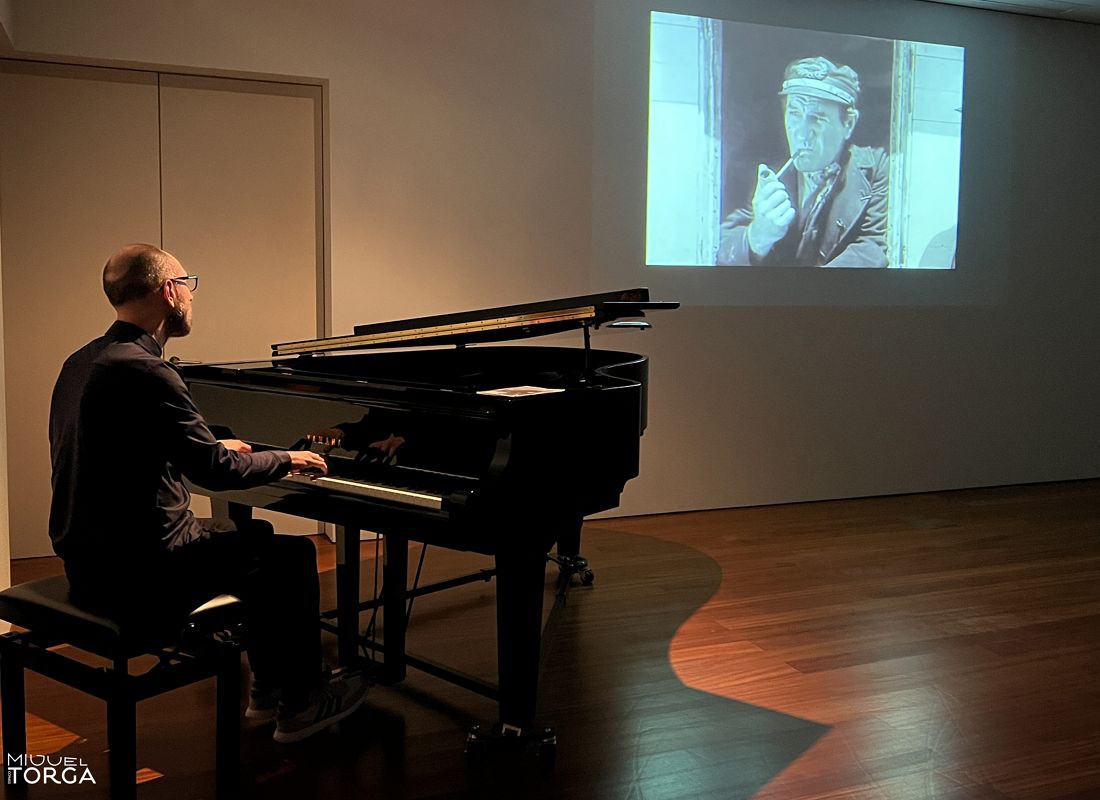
{"x":826,"y":206}
{"x":124,"y":433}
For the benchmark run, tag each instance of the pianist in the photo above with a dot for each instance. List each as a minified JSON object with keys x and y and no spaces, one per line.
{"x":124,"y":431}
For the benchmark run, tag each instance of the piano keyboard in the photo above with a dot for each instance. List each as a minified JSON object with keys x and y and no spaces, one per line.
{"x":376,"y":491}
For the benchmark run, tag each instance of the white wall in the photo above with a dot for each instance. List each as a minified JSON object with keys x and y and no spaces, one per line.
{"x":5,"y":533}
{"x":7,"y":29}
{"x":462,"y":175}
{"x":826,"y":383}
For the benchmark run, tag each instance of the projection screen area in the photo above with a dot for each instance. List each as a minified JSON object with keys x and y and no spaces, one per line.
{"x":782,"y":147}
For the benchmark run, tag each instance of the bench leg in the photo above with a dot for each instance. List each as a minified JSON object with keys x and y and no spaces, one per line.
{"x":228,"y":734}
{"x":122,"y":737}
{"x":12,"y":699}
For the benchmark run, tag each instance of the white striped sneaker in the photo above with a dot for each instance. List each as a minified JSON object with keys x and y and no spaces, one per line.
{"x":328,"y":703}
{"x":262,"y":706}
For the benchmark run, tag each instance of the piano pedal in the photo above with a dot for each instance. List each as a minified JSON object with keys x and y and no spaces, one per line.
{"x":504,"y":745}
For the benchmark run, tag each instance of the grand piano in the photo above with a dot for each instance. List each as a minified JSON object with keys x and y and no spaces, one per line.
{"x":500,"y":450}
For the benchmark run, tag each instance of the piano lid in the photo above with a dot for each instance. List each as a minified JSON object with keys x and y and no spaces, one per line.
{"x":488,"y":325}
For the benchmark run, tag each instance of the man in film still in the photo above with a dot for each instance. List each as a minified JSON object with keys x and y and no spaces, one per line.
{"x":826,"y":206}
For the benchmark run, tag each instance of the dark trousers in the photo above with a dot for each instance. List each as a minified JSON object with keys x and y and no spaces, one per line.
{"x":274,"y":576}
{"x":276,"y":579}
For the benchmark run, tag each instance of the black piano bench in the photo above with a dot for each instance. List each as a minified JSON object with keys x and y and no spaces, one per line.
{"x":201,"y":651}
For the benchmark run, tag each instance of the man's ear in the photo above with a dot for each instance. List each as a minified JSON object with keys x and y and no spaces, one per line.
{"x":850,"y":121}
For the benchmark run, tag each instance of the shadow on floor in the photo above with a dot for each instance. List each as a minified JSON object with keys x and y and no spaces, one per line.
{"x":628,"y":728}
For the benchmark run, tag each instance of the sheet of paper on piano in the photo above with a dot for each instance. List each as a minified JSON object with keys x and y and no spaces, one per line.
{"x":520,"y":391}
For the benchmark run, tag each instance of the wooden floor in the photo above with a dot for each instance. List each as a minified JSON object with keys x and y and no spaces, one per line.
{"x":939,"y":646}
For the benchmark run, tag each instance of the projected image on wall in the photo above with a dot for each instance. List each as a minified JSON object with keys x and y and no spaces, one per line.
{"x":792,"y":148}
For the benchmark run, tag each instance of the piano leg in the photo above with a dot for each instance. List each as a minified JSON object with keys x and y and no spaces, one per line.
{"x":347,"y":594}
{"x":395,"y":574}
{"x":520,"y":586}
{"x":520,"y":580}
{"x":569,"y":559}
{"x":395,"y":561}
{"x":569,"y":539}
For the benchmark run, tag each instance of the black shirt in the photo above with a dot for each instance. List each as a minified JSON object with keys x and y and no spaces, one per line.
{"x":123,"y":432}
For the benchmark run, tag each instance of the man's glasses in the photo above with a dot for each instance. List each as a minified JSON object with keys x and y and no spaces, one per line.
{"x":190,"y":281}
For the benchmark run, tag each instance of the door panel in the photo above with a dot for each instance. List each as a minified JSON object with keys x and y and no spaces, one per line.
{"x":78,"y":178}
{"x":240,"y":172}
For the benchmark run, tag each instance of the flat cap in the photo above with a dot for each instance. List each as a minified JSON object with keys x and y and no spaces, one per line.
{"x":820,"y":77}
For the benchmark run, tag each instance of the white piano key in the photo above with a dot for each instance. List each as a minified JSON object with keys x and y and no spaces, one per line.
{"x":374,"y":490}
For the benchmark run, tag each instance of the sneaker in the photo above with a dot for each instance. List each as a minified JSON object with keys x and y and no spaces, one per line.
{"x":328,"y":703}
{"x":262,"y":705}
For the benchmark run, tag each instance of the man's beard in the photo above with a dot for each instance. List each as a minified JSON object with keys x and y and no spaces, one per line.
{"x":178,"y":323}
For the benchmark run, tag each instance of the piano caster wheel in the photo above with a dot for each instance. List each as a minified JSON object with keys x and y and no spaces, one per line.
{"x":574,"y":567}
{"x":509,"y":746}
